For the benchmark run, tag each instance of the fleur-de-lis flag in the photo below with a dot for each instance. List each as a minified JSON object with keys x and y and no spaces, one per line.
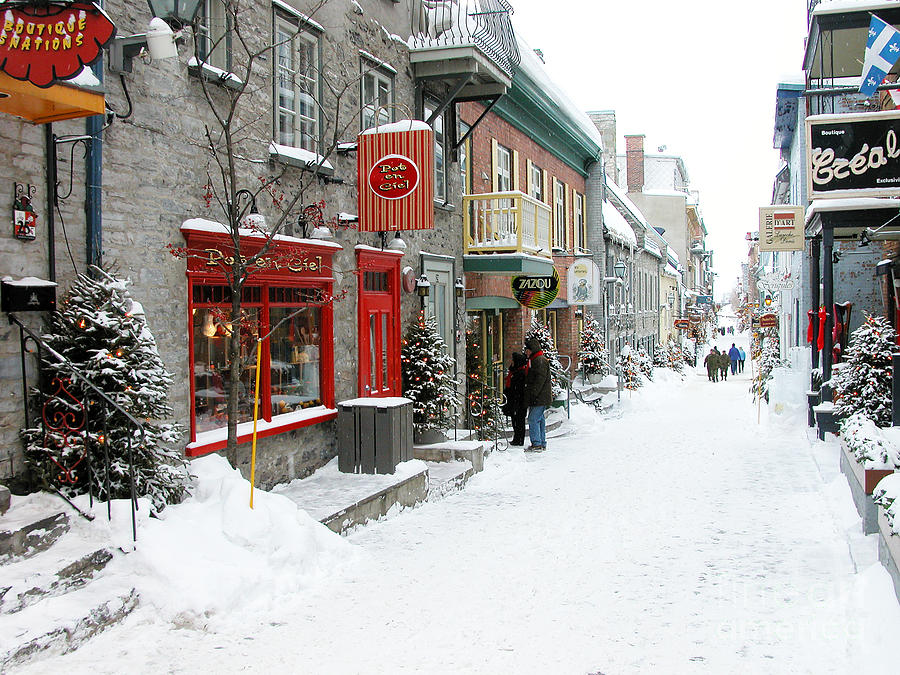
{"x":882,"y":51}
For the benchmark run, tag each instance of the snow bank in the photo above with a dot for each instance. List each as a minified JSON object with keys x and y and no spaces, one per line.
{"x":211,"y":558}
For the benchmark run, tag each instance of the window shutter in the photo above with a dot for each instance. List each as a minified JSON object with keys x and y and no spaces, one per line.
{"x":529,"y":188}
{"x":495,"y":169}
{"x":515,"y":170}
{"x":548,"y":193}
{"x":567,"y":192}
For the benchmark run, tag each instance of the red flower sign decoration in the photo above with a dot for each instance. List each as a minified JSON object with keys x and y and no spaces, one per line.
{"x":42,"y":44}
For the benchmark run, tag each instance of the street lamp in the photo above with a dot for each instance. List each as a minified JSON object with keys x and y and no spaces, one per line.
{"x":619,"y":270}
{"x":176,"y":13}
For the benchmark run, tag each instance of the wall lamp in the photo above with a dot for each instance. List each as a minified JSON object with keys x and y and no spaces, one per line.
{"x":460,"y":287}
{"x":159,"y":40}
{"x":253,"y":220}
{"x":423,"y":287}
{"x":619,"y":270}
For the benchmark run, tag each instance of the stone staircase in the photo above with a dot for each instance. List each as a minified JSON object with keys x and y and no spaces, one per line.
{"x":53,"y":595}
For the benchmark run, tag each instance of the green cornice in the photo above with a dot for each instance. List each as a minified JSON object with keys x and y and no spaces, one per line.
{"x":528,"y":108}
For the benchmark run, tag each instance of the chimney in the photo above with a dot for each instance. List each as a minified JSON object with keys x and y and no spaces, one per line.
{"x":634,"y":162}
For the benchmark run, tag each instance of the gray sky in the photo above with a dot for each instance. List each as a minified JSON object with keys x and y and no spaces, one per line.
{"x":698,"y":77}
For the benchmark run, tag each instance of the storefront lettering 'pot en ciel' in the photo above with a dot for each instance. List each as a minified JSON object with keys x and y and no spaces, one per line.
{"x":287,"y":301}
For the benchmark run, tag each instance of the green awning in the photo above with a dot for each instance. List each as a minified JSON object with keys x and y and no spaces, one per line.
{"x":508,"y":264}
{"x":490,"y":302}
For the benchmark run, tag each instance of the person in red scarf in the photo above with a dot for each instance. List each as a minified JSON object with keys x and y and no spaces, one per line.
{"x":538,"y":393}
{"x":514,"y":388}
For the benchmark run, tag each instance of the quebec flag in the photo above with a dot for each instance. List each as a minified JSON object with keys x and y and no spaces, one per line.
{"x":882,"y":50}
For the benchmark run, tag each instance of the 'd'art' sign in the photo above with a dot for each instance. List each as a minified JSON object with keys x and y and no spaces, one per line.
{"x":395,"y":167}
{"x":42,"y":43}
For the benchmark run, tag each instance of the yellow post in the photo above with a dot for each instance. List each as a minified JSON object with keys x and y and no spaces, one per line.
{"x":255,"y":418}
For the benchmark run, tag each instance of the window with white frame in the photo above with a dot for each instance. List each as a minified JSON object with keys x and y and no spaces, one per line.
{"x":464,"y":163}
{"x":214,"y":35}
{"x":559,"y":214}
{"x":504,"y":168}
{"x":377,"y":92}
{"x":440,"y":151}
{"x":537,"y":182}
{"x":296,"y":84}
{"x":580,"y":229}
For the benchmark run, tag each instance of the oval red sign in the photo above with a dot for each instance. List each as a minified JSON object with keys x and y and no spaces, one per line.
{"x":42,"y":44}
{"x":394,"y":177}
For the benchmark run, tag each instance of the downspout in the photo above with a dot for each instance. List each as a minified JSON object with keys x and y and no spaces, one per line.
{"x":93,"y":192}
{"x":50,"y":150}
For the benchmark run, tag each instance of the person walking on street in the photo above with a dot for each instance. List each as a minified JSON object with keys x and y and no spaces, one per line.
{"x":538,"y":393}
{"x":741,"y":360}
{"x":712,"y":364}
{"x":734,"y":355}
{"x":515,"y":407}
{"x":723,"y":365}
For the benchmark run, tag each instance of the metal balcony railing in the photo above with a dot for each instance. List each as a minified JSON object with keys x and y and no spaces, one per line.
{"x":507,"y":222}
{"x":483,"y":24}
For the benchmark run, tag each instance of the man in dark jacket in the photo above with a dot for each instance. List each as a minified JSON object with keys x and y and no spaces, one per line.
{"x":538,"y":393}
{"x":734,"y":355}
{"x":515,"y":407}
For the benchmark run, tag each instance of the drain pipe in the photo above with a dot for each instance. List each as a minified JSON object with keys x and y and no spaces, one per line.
{"x":93,"y":179}
{"x":50,"y":149}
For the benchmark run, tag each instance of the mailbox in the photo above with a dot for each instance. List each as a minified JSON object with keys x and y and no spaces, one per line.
{"x":29,"y":294}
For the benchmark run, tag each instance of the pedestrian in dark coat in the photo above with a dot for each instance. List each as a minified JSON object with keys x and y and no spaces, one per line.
{"x":712,"y":364}
{"x":724,"y":362}
{"x":734,"y":355}
{"x":538,"y":393}
{"x":515,"y":407}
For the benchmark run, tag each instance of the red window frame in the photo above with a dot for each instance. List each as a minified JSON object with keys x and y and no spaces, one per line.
{"x":289,"y":263}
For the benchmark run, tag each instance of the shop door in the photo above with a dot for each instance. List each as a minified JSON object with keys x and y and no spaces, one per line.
{"x":379,"y":324}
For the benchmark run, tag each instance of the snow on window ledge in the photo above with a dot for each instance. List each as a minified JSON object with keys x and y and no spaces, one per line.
{"x":212,"y":74}
{"x":211,"y":441}
{"x":301,"y":158}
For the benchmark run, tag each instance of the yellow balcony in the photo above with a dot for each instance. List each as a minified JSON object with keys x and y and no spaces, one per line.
{"x":506,"y":222}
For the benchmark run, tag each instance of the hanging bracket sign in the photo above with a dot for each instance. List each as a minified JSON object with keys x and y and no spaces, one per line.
{"x":395,"y":174}
{"x":46,"y":42}
{"x":535,"y":292}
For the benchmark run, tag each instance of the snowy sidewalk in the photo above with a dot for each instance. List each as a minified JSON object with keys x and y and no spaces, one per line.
{"x":682,"y":537}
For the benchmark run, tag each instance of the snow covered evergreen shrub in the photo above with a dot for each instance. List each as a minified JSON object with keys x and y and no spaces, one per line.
{"x":662,"y":357}
{"x":542,"y":334}
{"x":863,"y":383}
{"x":593,"y":357}
{"x":886,"y":495}
{"x":427,"y":370}
{"x":644,"y":363}
{"x":103,"y":333}
{"x":630,"y":368}
{"x":864,"y":439}
{"x":766,"y":350}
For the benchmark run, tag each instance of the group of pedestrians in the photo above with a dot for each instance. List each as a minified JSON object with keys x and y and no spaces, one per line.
{"x":717,"y":363}
{"x":529,"y":393}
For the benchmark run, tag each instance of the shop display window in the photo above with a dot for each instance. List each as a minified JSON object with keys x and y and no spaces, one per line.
{"x":289,"y":319}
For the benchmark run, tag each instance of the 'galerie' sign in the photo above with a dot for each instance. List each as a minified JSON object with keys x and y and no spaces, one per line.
{"x":44,"y":43}
{"x":395,"y":167}
{"x":781,"y":228}
{"x":853,"y":155}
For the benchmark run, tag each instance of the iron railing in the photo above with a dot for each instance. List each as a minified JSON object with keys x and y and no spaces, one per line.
{"x":66,"y":418}
{"x":506,"y":222}
{"x":483,"y":24}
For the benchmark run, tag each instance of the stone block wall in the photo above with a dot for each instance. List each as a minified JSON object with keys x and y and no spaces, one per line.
{"x":156,"y":169}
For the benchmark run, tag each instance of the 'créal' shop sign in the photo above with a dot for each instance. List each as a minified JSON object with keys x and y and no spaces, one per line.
{"x":853,"y":155}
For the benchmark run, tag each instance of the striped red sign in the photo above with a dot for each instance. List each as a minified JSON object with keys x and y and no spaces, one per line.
{"x":395,"y":171}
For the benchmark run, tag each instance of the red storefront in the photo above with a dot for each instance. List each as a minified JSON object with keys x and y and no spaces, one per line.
{"x":288,"y":301}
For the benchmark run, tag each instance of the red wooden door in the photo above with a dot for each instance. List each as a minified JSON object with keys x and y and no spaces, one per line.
{"x":379,"y":323}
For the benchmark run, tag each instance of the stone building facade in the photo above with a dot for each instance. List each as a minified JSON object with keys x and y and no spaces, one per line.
{"x":158,"y":175}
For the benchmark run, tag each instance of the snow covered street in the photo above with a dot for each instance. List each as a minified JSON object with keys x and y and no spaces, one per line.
{"x":681,"y":537}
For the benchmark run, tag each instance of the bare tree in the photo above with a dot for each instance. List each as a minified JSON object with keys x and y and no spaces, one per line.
{"x":237,"y":139}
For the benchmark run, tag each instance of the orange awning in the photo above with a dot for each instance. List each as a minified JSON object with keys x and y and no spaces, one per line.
{"x":52,"y":104}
